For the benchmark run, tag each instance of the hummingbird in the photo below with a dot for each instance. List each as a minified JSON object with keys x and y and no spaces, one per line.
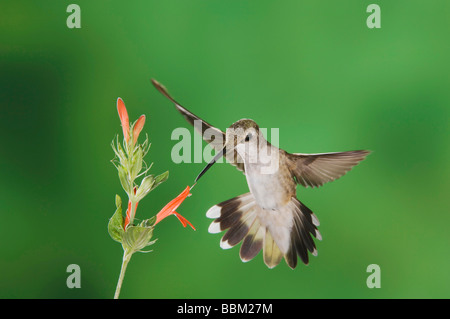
{"x":269,"y":217}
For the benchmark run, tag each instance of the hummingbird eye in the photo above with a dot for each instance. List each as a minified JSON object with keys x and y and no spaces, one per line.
{"x":248,"y":137}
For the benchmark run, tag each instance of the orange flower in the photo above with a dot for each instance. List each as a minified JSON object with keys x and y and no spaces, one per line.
{"x":169,"y":209}
{"x":124,"y":120}
{"x":128,"y":216}
{"x":138,"y":128}
{"x":123,"y":115}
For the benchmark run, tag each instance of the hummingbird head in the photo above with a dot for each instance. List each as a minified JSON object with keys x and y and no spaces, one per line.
{"x":242,"y":137}
{"x":242,"y":131}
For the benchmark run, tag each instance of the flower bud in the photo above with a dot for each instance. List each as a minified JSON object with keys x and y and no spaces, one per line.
{"x":145,"y":187}
{"x":123,"y":115}
{"x":138,"y":128}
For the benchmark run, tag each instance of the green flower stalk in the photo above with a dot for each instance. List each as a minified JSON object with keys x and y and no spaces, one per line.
{"x":130,"y":164}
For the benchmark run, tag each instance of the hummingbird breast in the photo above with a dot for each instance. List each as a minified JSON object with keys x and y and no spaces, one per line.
{"x":272,"y":188}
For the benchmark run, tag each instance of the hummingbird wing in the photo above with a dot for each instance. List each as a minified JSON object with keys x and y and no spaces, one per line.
{"x":210,"y":134}
{"x":317,"y":169}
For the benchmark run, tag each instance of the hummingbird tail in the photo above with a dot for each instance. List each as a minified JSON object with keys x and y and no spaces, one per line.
{"x":304,"y":224}
{"x":239,"y":216}
{"x":278,"y":233}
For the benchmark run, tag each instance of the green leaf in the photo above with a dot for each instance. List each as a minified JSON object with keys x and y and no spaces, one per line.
{"x":136,"y":163}
{"x":145,"y":187}
{"x":113,"y":145}
{"x":137,"y":237}
{"x":118,"y":202}
{"x":148,"y":222}
{"x":146,"y":145}
{"x":123,"y":177}
{"x":115,"y":224}
{"x":149,"y":244}
{"x":160,"y":178}
{"x":123,"y":154}
{"x":120,"y":153}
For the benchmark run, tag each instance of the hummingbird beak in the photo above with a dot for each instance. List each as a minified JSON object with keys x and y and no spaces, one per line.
{"x":221,"y":153}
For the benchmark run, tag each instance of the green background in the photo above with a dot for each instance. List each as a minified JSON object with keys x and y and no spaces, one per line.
{"x":313,"y":69}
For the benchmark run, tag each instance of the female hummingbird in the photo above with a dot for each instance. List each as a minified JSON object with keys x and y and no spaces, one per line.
{"x":269,"y":217}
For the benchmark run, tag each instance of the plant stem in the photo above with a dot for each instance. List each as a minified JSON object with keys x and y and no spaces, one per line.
{"x":125,"y":261}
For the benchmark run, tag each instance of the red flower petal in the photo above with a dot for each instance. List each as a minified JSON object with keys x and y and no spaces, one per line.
{"x":128,"y":215}
{"x":169,"y":209}
{"x":127,"y":218}
{"x":138,"y":128}
{"x":183,"y":220}
{"x":123,"y":115}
